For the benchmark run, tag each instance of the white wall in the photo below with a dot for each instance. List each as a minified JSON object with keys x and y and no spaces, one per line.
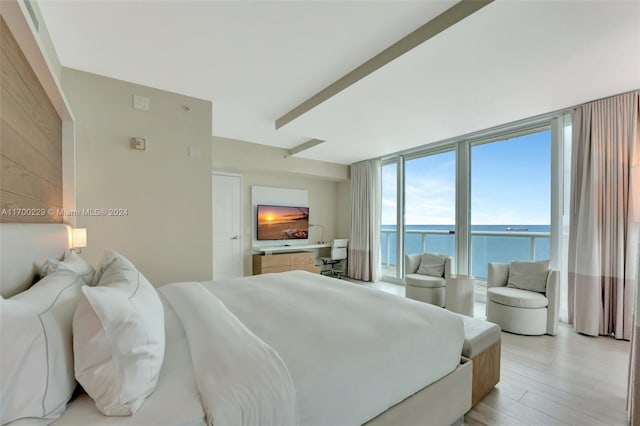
{"x":327,"y":185}
{"x":236,"y":156}
{"x":344,"y":214}
{"x":167,"y":230}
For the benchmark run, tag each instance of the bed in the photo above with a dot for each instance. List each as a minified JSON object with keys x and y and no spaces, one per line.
{"x":351,"y":355}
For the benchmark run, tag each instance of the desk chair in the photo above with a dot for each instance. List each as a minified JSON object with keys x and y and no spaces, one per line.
{"x":338,"y":254}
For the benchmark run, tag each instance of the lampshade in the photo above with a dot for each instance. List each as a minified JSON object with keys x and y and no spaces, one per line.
{"x":79,"y":237}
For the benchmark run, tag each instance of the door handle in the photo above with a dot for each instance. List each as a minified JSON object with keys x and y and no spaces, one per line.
{"x":235,"y":237}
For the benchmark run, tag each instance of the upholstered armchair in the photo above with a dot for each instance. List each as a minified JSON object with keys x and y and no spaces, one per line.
{"x":423,"y":279}
{"x":519,"y":310}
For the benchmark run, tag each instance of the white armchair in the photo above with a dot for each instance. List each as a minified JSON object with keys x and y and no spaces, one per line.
{"x":426,"y":288}
{"x":522,"y":311}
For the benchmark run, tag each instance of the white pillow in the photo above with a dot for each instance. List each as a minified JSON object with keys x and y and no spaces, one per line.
{"x":530,"y":276}
{"x":432,"y":264}
{"x":107,"y":259}
{"x":36,"y":352}
{"x":118,"y":339}
{"x":72,"y":262}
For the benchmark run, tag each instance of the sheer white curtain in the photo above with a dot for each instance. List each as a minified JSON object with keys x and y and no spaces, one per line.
{"x":603,"y":235}
{"x":364,"y":241}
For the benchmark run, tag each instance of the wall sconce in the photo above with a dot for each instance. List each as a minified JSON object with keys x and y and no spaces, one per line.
{"x":78,"y":239}
{"x":321,"y":238}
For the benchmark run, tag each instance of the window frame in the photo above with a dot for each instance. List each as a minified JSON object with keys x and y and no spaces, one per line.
{"x":462,"y":147}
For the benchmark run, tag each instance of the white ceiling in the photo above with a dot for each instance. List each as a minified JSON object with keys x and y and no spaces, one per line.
{"x":256,"y":60}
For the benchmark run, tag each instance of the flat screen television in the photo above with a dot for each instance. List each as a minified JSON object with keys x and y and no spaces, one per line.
{"x":282,"y":223}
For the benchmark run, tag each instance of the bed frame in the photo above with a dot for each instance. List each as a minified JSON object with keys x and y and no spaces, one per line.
{"x":442,"y":403}
{"x":24,"y":247}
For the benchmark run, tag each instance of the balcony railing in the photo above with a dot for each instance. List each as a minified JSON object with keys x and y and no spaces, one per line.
{"x":485,"y":246}
{"x":388,"y":249}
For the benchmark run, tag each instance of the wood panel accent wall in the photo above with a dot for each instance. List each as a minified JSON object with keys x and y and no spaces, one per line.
{"x":30,"y":141}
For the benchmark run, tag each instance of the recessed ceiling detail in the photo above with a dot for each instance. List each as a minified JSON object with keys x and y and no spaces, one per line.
{"x":256,"y":59}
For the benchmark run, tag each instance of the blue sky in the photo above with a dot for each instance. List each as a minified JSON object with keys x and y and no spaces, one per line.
{"x":510,"y":185}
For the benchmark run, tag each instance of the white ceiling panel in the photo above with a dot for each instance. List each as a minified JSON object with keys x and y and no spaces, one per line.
{"x":256,"y":60}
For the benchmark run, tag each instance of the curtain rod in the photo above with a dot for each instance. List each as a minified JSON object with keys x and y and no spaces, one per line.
{"x":604,"y":98}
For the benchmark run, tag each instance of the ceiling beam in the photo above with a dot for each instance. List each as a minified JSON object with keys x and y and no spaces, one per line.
{"x":447,"y":19}
{"x":304,"y":146}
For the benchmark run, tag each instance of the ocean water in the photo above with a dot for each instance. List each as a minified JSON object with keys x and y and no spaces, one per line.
{"x":484,"y":249}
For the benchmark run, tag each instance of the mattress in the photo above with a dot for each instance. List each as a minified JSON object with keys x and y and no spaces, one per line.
{"x":352,"y":352}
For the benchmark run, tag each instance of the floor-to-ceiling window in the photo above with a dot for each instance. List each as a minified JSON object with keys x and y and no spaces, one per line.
{"x":483,"y":199}
{"x":430,"y":203}
{"x":510,"y":200}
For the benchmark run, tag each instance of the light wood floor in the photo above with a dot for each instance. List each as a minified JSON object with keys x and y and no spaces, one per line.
{"x":567,"y":379}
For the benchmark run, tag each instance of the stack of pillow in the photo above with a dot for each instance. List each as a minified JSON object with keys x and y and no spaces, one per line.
{"x":104,"y":329}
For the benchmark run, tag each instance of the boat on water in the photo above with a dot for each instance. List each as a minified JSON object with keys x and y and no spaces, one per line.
{"x":516,"y":228}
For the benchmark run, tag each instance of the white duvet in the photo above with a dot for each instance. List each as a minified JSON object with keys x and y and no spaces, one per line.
{"x":348,"y":352}
{"x":241,"y":380}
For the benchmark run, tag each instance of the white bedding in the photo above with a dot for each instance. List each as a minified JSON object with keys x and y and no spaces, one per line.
{"x":352,"y":352}
{"x":241,"y":380}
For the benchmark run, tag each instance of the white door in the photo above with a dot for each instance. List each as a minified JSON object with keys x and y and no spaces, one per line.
{"x":227,"y":229}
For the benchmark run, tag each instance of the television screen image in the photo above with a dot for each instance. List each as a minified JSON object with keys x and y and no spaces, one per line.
{"x":283,"y":223}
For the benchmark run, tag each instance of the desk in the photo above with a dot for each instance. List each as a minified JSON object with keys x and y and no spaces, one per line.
{"x":286,"y":258}
{"x":292,"y":248}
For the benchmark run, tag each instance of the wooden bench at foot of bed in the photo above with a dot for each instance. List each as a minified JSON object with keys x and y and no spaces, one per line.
{"x":482,"y":346}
